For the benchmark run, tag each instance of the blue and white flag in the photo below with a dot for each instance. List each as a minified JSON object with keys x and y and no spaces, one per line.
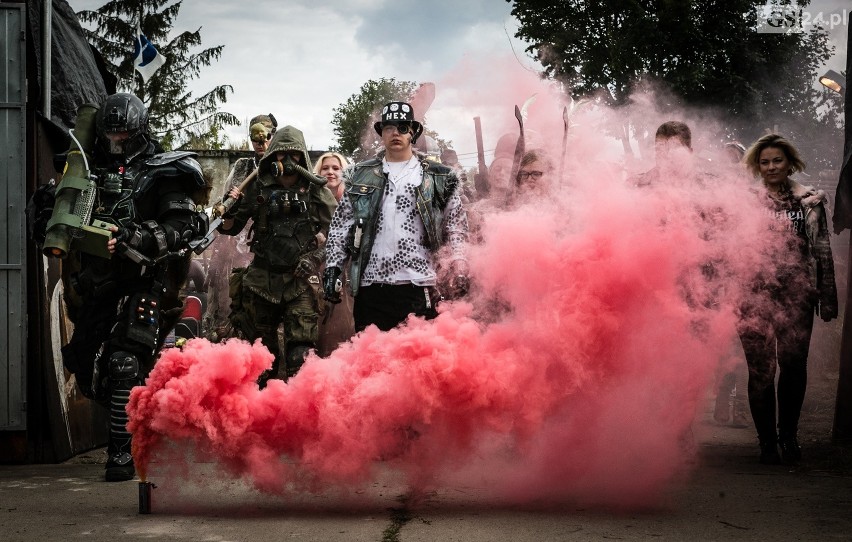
{"x":146,"y":59}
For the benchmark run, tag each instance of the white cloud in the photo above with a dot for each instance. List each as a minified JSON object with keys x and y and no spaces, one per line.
{"x":300,"y":60}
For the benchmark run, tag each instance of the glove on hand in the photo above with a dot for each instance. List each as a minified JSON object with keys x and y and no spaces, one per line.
{"x":332,"y":284}
{"x":122,"y":234}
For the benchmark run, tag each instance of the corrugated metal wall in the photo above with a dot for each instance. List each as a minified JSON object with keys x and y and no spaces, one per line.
{"x":12,"y":205}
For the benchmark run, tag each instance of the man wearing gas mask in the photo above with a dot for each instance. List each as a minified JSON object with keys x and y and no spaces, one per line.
{"x":231,"y":252}
{"x":122,"y":219}
{"x":291,"y":210}
{"x":399,"y":211}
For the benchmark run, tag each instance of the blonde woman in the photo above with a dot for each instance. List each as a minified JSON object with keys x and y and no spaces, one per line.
{"x":331,"y":165}
{"x":777,"y":318}
{"x":337,"y":325}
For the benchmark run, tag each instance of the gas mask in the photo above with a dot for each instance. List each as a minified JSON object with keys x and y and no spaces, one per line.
{"x":284,"y":168}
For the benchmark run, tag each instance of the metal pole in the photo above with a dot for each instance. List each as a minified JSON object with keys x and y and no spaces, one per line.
{"x":842,"y":430}
{"x":480,"y":182}
{"x":46,"y":54}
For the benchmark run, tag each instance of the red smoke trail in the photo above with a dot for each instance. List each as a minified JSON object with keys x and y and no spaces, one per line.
{"x":584,"y":387}
{"x":572,"y":373}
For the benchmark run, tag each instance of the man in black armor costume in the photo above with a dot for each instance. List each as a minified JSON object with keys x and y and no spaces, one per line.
{"x":125,"y":258}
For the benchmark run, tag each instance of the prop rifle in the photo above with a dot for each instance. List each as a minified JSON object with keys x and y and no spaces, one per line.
{"x":519,"y":154}
{"x":217,"y":213}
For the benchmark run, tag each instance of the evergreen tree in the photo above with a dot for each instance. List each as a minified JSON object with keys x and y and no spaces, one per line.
{"x":176,"y":116}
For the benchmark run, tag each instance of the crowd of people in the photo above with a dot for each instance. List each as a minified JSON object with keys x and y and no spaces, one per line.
{"x":309,"y":254}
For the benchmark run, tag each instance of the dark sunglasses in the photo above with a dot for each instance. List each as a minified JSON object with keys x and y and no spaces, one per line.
{"x":524,"y":175}
{"x":401,"y":128}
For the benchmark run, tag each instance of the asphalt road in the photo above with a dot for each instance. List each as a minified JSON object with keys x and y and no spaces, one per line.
{"x":729,"y":496}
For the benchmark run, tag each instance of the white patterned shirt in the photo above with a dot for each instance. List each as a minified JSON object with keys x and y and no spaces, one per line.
{"x":399,"y":255}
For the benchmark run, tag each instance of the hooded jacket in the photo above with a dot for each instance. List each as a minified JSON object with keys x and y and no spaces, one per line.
{"x":288,"y":221}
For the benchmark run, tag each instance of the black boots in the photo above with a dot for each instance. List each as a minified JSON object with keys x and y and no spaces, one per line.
{"x":791,"y":452}
{"x":119,"y":467}
{"x":124,"y":374}
{"x":769,"y":453}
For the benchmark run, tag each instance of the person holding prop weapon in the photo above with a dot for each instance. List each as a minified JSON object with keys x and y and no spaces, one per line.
{"x":122,"y":219}
{"x":291,"y":209}
{"x":232,"y":252}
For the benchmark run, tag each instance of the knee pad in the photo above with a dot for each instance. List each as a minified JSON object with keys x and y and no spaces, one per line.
{"x":124,"y":369}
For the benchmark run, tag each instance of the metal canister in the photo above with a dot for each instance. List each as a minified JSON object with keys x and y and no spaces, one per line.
{"x":145,"y":496}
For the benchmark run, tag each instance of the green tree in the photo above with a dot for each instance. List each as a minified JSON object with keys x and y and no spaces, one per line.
{"x":707,"y":53}
{"x":353,"y":120}
{"x":176,"y":115}
{"x":214,"y":138}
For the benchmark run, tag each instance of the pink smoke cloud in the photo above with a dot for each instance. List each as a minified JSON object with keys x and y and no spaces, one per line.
{"x":573,"y":372}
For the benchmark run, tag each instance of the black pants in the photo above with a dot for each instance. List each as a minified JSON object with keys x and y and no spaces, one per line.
{"x":788,"y":331}
{"x":387,"y":305}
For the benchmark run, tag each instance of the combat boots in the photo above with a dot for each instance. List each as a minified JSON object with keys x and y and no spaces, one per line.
{"x":791,"y":452}
{"x":769,"y":453}
{"x":119,"y":466}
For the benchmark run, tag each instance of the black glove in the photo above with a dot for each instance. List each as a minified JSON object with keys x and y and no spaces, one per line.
{"x":127,"y":237}
{"x":828,"y":311}
{"x":459,"y":279}
{"x":332,"y":284}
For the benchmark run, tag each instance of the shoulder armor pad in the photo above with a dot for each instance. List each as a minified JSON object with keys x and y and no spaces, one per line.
{"x":169,"y":157}
{"x":190,"y":165}
{"x":182,"y":165}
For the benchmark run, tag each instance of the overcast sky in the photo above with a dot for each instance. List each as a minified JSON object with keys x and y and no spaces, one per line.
{"x":299,"y":59}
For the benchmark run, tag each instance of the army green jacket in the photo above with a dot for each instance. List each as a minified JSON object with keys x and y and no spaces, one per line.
{"x":289,"y":222}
